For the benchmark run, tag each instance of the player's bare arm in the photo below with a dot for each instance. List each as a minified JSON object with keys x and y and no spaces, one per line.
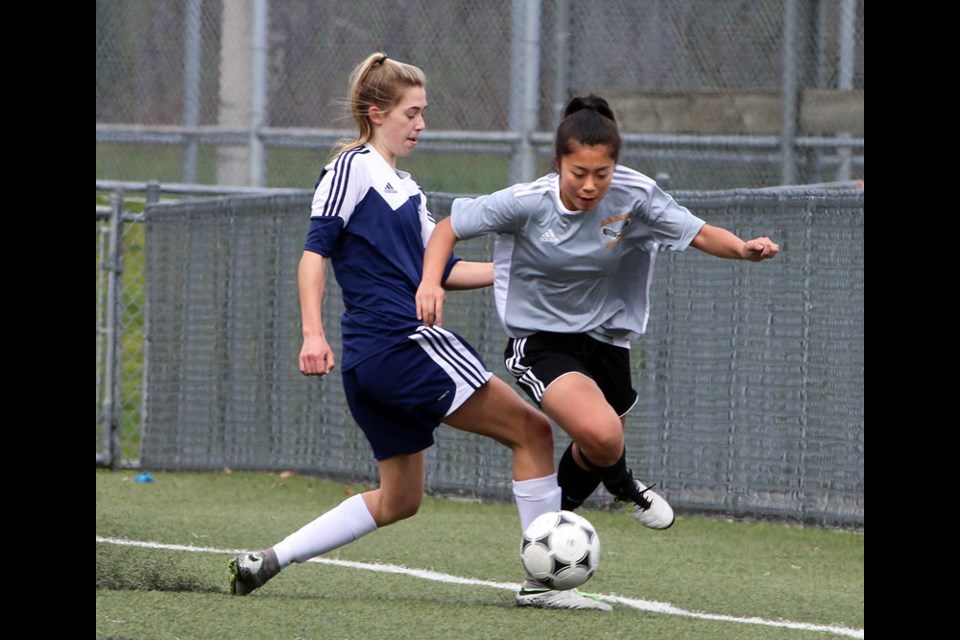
{"x":431,"y":294}
{"x":721,"y":243}
{"x":469,"y":275}
{"x":316,"y":356}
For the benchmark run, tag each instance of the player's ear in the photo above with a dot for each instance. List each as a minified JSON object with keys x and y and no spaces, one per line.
{"x":375,"y":114}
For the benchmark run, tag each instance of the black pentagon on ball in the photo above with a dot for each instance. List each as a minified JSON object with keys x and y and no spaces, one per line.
{"x":582,"y":562}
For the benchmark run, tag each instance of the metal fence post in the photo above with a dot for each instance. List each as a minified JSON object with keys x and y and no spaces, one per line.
{"x":191,"y":86}
{"x":152,"y":192}
{"x":788,"y":91}
{"x":258,"y":99}
{"x":846,"y":64}
{"x":524,"y":86}
{"x":110,"y":413}
{"x":562,"y":53}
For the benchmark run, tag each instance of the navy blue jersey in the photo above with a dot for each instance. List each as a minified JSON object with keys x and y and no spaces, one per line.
{"x":372,"y":222}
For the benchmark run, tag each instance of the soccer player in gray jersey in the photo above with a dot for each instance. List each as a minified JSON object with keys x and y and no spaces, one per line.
{"x":573,"y":262}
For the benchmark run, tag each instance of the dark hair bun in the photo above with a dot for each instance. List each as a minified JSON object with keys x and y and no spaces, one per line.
{"x":592,"y":102}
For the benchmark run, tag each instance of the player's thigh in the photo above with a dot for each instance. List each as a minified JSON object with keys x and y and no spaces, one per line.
{"x":577,"y":404}
{"x":497,"y":411}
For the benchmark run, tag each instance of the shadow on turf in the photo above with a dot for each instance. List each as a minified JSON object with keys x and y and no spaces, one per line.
{"x":121,"y":571}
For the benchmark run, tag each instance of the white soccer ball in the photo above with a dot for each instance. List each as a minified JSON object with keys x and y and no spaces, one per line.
{"x":561,"y":549}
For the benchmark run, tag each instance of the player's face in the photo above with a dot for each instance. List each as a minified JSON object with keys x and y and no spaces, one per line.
{"x":396,"y":132}
{"x":585,"y":176}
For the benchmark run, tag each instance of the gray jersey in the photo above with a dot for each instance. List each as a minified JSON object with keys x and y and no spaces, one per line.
{"x":576,"y":271}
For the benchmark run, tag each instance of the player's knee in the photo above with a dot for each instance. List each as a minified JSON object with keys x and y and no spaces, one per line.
{"x":526,"y":427}
{"x":603,"y":445}
{"x":538,"y":430}
{"x":400,"y":510}
{"x":408,"y":511}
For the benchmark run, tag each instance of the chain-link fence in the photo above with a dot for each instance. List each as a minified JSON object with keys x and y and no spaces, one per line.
{"x":120,"y":328}
{"x":121,"y":301}
{"x":710,"y":94}
{"x":750,"y":377}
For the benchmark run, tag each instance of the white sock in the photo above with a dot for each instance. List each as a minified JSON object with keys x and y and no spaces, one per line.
{"x":536,"y":497}
{"x":348,"y":521}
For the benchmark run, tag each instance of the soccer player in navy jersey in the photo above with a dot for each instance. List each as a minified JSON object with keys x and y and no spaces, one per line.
{"x":401,"y":379}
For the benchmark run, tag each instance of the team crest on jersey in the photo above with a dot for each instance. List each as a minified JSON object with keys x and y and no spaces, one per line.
{"x":612,"y":229}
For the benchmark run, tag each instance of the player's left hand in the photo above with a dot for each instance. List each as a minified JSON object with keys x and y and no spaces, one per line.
{"x":760,"y":249}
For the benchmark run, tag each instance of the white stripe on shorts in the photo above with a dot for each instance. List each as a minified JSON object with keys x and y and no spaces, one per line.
{"x":524,"y":375}
{"x":453,"y":356}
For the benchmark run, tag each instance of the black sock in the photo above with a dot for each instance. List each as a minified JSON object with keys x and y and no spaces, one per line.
{"x":576,"y":483}
{"x":617,"y":479}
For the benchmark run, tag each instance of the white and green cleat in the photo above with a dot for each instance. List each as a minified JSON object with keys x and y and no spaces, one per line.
{"x":249,"y":571}
{"x":567,"y":599}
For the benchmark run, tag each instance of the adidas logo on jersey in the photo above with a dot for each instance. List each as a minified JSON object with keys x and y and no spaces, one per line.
{"x":389,"y":188}
{"x":550,"y":237}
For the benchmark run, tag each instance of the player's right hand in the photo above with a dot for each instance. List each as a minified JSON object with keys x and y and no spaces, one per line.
{"x":316,"y":357}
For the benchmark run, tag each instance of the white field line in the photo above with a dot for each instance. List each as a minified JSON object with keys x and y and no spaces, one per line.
{"x":644,"y":605}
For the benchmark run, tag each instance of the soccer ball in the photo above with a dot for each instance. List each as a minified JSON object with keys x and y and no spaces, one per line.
{"x":560,"y":549}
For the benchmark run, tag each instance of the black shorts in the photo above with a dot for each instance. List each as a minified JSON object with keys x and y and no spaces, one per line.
{"x":539,"y":359}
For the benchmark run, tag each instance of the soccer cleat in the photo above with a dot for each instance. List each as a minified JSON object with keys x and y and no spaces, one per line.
{"x":553,"y":599}
{"x":250,"y":571}
{"x":648,"y":508}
